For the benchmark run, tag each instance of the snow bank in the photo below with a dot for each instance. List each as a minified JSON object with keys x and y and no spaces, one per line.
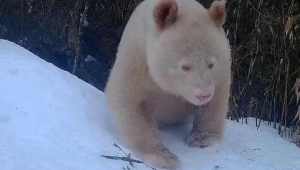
{"x":51,"y":120}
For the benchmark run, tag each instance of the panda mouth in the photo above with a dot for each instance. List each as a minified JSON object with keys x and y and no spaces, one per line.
{"x":203,"y":98}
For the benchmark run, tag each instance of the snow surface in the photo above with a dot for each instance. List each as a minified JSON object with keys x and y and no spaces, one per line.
{"x":51,"y":120}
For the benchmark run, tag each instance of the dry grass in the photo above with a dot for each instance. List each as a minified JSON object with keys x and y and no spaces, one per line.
{"x":265,"y":36}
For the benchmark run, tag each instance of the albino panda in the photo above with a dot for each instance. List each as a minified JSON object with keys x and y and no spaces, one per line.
{"x":173,"y":60}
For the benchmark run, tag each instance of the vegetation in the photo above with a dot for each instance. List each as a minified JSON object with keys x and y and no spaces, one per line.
{"x":265,"y":37}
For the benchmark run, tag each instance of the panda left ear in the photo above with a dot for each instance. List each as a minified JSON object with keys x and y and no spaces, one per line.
{"x":165,"y":13}
{"x":217,"y":12}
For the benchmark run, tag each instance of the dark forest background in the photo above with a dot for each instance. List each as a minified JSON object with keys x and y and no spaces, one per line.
{"x":82,"y":36}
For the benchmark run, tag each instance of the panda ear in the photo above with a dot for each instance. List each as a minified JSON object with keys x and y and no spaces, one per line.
{"x":165,"y":13}
{"x":217,"y":12}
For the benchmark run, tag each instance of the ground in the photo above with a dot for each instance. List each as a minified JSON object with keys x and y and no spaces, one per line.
{"x":50,"y":119}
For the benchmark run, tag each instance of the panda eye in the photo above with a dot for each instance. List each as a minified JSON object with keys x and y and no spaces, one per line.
{"x":211,"y":66}
{"x":186,"y":67}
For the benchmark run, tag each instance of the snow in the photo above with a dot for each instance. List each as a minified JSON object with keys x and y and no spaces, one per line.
{"x":51,"y":120}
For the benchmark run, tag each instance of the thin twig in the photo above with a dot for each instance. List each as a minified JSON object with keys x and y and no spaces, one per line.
{"x":127,"y":158}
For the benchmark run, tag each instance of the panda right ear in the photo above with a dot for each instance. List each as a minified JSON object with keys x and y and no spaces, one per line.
{"x":165,"y":13}
{"x":217,"y":12}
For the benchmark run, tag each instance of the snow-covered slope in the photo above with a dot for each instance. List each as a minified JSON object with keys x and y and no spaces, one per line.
{"x":51,"y":120}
